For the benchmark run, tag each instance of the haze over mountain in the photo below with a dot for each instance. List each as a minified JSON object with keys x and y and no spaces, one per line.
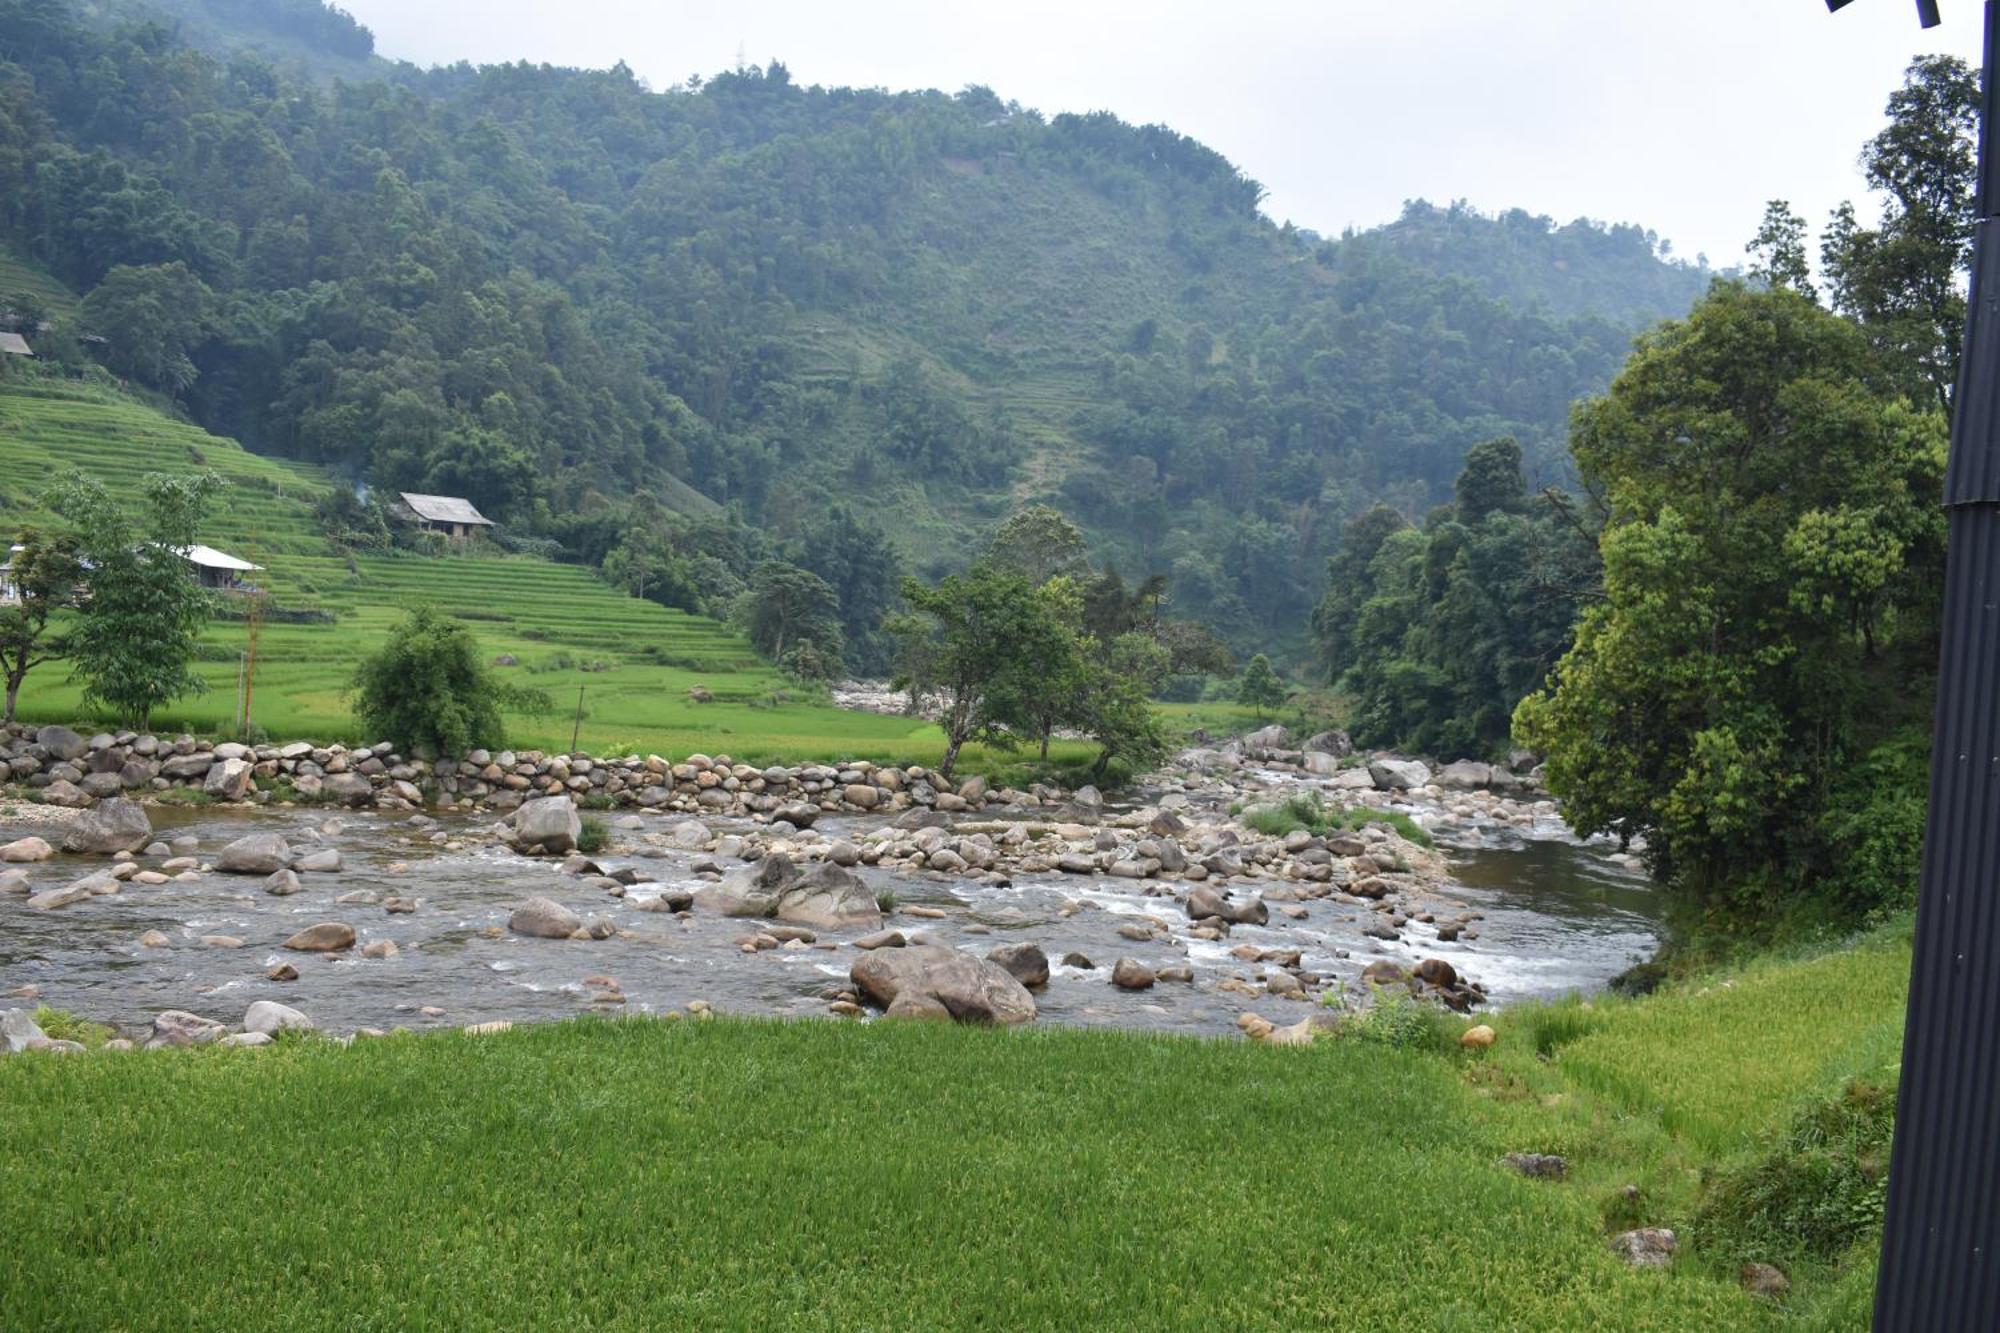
{"x":546,"y":288}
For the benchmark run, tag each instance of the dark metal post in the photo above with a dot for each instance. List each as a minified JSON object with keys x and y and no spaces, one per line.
{"x":1939,"y":1267}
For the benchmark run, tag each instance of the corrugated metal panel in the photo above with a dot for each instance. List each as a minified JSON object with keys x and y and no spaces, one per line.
{"x":1939,"y":1269}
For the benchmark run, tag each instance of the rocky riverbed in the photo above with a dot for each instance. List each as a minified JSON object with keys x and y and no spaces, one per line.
{"x":1165,"y":912}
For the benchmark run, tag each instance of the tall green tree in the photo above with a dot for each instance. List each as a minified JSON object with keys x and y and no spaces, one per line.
{"x":1903,"y":279}
{"x":45,"y":574}
{"x":144,"y":609}
{"x":427,"y":689}
{"x":1260,"y":688}
{"x":1038,"y":543}
{"x":793,"y":618}
{"x":1778,"y":251}
{"x":1772,"y":564}
{"x":963,"y":644}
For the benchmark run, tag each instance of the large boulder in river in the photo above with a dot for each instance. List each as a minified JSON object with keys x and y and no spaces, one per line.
{"x":971,"y":989}
{"x":550,"y":823}
{"x":1272,"y":737}
{"x":1206,"y":900}
{"x":1026,"y":963}
{"x":258,"y":854}
{"x":26,"y":850}
{"x":1335,"y":743}
{"x":326,"y":937}
{"x":113,"y":825}
{"x":544,"y":918}
{"x":1399,"y":774}
{"x":1465,"y":774}
{"x":752,"y":890}
{"x":830,"y":898}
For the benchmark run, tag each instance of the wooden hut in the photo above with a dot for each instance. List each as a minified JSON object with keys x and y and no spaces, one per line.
{"x":456,"y":518}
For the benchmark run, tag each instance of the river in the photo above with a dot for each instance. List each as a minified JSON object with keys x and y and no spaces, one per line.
{"x":1558,"y":916}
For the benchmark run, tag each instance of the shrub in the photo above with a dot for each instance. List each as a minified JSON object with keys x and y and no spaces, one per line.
{"x":1814,"y":1191}
{"x":593,"y":835}
{"x":428,"y":691}
{"x":1402,"y":1022}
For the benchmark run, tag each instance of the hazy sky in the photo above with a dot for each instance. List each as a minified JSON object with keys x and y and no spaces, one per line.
{"x":1683,"y":117}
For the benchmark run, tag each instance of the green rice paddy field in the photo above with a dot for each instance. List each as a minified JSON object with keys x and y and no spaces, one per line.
{"x":634,"y":661}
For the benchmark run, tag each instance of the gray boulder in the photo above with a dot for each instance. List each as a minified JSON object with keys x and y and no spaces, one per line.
{"x":178,"y":1027}
{"x":690,"y":835}
{"x":113,"y":825}
{"x":1272,"y":737}
{"x":830,"y":898}
{"x":91,"y":886}
{"x":1465,"y":774}
{"x":971,"y":989}
{"x":282,"y":884}
{"x":13,"y":882}
{"x":269,"y":1016}
{"x":1399,"y":774}
{"x":1026,"y":963}
{"x":258,"y":854}
{"x":1206,"y":901}
{"x":17,"y":1029}
{"x":228,"y":780}
{"x":326,"y":937}
{"x":544,"y":918}
{"x":752,"y":890}
{"x":1335,"y":743}
{"x":550,"y":823}
{"x":325,"y":861}
{"x":347,"y":789}
{"x":62,"y":743}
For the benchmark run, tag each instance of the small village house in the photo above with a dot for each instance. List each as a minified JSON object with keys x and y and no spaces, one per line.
{"x":218,"y":570}
{"x":13,"y":344}
{"x":10,"y":592}
{"x":456,"y":518}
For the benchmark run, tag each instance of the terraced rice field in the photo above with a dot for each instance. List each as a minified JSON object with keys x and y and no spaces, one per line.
{"x":634,"y":662}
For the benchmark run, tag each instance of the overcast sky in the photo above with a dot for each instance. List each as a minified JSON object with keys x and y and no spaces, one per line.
{"x":1683,"y":117}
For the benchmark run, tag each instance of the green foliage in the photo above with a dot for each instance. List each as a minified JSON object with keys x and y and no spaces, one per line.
{"x":793,"y":618}
{"x":1401,"y":1022}
{"x":135,"y":638}
{"x":1436,"y":634}
{"x":428,"y":690}
{"x":1811,"y":1193}
{"x":963,"y":646}
{"x":539,"y":287}
{"x":1039,"y":544}
{"x":1260,"y":688}
{"x":592,"y":836}
{"x":1902,"y":279}
{"x":1772,"y":564}
{"x":1306,"y":811}
{"x":43,"y":576}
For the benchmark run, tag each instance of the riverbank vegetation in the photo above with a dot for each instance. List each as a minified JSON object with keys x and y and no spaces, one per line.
{"x":679,"y":1173}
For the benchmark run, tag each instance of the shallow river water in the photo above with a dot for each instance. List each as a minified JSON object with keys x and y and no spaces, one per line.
{"x":1559,"y":916}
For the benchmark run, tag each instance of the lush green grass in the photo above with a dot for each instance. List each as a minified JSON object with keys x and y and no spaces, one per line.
{"x":1307,"y":813}
{"x":816,"y":1174}
{"x":634,"y":661}
{"x":808,"y":1175}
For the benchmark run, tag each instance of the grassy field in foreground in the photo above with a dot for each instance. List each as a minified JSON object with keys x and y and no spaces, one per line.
{"x":740,"y":1173}
{"x":634,"y":660}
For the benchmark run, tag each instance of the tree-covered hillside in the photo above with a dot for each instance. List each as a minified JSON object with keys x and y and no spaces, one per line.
{"x":547,"y":288}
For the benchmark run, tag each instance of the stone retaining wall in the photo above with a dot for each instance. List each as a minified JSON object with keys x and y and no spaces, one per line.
{"x":67,"y":768}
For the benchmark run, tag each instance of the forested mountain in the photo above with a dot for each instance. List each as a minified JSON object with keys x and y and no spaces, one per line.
{"x":548,"y":288}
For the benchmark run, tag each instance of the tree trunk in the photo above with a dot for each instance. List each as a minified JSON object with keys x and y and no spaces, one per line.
{"x":13,"y":693}
{"x":950,"y":756}
{"x":1045,"y":744}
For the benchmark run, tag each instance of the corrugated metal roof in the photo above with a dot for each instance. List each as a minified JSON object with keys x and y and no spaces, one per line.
{"x":14,"y":344}
{"x":210,"y":558}
{"x":444,"y":509}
